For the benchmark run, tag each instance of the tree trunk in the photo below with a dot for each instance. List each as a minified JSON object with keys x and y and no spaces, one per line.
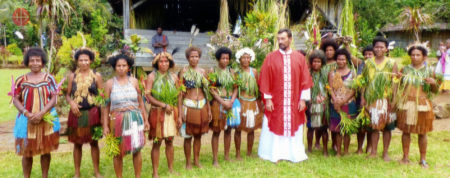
{"x":416,"y":33}
{"x":52,"y":34}
{"x":4,"y":41}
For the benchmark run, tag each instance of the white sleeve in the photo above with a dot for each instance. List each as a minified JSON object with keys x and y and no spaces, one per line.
{"x":306,"y":94}
{"x":267,"y":96}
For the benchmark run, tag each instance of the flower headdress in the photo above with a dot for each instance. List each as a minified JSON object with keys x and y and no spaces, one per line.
{"x":243,"y":51}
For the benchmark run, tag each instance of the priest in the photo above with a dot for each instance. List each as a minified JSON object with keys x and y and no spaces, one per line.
{"x":285,"y":84}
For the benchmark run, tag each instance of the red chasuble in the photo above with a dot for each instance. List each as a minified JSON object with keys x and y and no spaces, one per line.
{"x":283,"y":76}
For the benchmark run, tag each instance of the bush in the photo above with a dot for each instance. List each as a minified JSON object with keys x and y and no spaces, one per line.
{"x":65,"y":53}
{"x":15,"y":59}
{"x":398,"y":52}
{"x":13,"y":49}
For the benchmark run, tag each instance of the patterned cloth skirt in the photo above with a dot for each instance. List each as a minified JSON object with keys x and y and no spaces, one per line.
{"x":162,"y":125}
{"x":251,"y":115}
{"x":196,"y":115}
{"x":80,"y":129}
{"x":128,"y":128}
{"x":413,"y":117}
{"x":219,"y":117}
{"x":335,"y":117}
{"x":380,"y":117}
{"x":36,"y":139}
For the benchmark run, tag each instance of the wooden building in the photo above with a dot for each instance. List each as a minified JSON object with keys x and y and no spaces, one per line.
{"x":435,"y":33}
{"x":177,"y":16}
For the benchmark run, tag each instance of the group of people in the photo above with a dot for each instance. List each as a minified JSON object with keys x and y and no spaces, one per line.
{"x":374,"y":88}
{"x":194,"y":100}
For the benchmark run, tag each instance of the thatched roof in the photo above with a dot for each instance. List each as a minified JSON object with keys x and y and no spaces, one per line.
{"x":400,"y":27}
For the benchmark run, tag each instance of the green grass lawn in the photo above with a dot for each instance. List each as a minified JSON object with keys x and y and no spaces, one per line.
{"x":8,"y":112}
{"x":316,"y":166}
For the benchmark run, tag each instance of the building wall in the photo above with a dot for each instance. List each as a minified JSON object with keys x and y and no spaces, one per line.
{"x":403,"y":39}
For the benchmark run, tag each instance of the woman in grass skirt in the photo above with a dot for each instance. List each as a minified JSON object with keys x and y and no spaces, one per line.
{"x":415,"y":110}
{"x":224,"y":93}
{"x":251,"y":105}
{"x":36,"y":130}
{"x":317,"y":121}
{"x":195,"y":112}
{"x":84,"y":115}
{"x":162,"y":92}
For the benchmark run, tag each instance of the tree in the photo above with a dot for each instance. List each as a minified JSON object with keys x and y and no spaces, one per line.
{"x":412,"y":18}
{"x":52,"y":11}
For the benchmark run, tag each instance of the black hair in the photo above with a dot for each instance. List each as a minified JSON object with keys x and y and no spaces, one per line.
{"x":113,"y":60}
{"x":344,"y":52}
{"x":289,"y":33}
{"x":302,"y":52}
{"x":88,"y":52}
{"x":366,"y":49}
{"x":380,"y":39}
{"x":421,"y":48}
{"x":35,"y":51}
{"x":317,"y":54}
{"x":328,"y":42}
{"x":223,"y":50}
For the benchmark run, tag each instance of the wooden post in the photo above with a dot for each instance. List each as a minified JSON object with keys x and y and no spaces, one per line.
{"x":126,"y":14}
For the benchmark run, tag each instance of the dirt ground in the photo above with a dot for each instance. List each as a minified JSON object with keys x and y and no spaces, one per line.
{"x":7,"y":139}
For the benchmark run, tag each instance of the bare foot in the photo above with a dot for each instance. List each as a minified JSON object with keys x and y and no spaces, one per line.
{"x":174,"y":172}
{"x":238,"y":158}
{"x":404,"y":161}
{"x":155,"y":175}
{"x":424,"y":164}
{"x":345,"y":153}
{"x":338,"y":155}
{"x":98,"y":175}
{"x":335,"y":148}
{"x":227,"y":158}
{"x":198,"y":165}
{"x":216,"y":164}
{"x":188,"y":166}
{"x":386,"y":158}
{"x":371,"y":156}
{"x":251,"y":155}
{"x":317,"y":146}
{"x":359,"y":152}
{"x":309,"y":150}
{"x":325,"y":154}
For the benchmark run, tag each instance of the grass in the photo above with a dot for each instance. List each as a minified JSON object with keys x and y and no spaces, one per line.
{"x":8,"y":112}
{"x":353,"y":165}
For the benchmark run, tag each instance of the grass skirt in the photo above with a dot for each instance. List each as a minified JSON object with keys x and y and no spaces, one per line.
{"x":162,"y":125}
{"x":380,"y":117}
{"x":36,"y":139}
{"x":316,"y":119}
{"x":415,"y":117}
{"x":251,"y":116}
{"x":197,"y":121}
{"x":128,"y":127}
{"x":219,"y":118}
{"x":80,"y":129}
